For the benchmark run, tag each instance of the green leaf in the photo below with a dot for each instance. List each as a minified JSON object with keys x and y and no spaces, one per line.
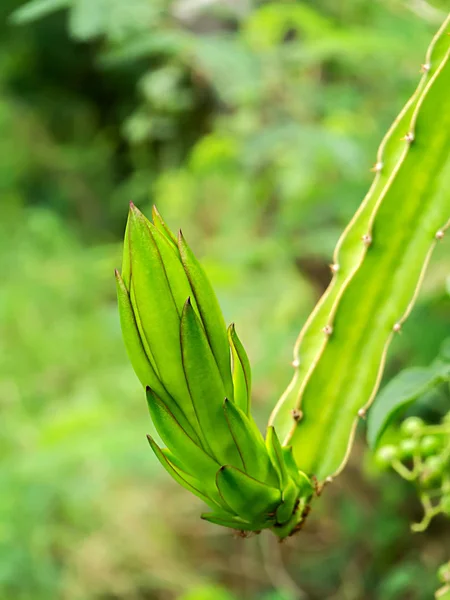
{"x":206,"y":388}
{"x":276,"y":456}
{"x":250,"y":444}
{"x":175,"y":273}
{"x":138,"y":320}
{"x":399,"y":393}
{"x":203,"y":485}
{"x":302,"y":481}
{"x":242,"y":375}
{"x":159,"y":317}
{"x":189,"y":455}
{"x":133,"y":342}
{"x":210,"y":314}
{"x":248,"y":498}
{"x":175,"y":474}
{"x":36,"y":9}
{"x":162,"y":227}
{"x":88,"y":19}
{"x":235,"y":522}
{"x":290,"y":497}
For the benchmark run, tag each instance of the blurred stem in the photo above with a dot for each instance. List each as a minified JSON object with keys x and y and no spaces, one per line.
{"x":276,"y":570}
{"x":436,"y":429}
{"x":430,"y":512}
{"x":404,"y":471}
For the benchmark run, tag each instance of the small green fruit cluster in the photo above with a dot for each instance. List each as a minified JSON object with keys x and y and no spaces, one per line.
{"x":415,"y":442}
{"x":422,"y":455}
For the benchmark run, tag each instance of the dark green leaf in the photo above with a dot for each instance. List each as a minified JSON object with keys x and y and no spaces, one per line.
{"x":210,"y":314}
{"x":248,"y":498}
{"x":36,"y":9}
{"x":159,"y":317}
{"x":250,"y":444}
{"x":206,"y":388}
{"x":175,"y":473}
{"x":398,"y":394}
{"x":242,"y":375}
{"x":235,"y":522}
{"x":189,"y":455}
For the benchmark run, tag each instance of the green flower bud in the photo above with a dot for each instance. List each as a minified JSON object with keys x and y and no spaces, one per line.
{"x":198,"y":382}
{"x":385,"y":455}
{"x":408,"y":448}
{"x":433,"y":469}
{"x":411,"y":426}
{"x":430,"y":444}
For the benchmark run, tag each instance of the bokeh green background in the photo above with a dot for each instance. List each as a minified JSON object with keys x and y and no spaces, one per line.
{"x":253,"y":126}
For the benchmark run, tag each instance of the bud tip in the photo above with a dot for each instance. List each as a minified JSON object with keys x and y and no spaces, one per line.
{"x":134,"y":209}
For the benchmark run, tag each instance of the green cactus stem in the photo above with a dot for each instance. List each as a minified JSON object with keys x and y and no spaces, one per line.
{"x":378,"y":267}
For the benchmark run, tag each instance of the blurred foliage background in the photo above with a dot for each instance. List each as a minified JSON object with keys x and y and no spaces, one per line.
{"x":253,"y":125}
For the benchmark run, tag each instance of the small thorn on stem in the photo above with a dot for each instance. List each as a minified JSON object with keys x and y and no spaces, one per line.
{"x":409,"y":137}
{"x":334,"y":268}
{"x":329,"y":479}
{"x":295,"y":363}
{"x":297,"y":414}
{"x":425,"y":68}
{"x":397,"y":327}
{"x":328,"y":330}
{"x":439,"y":234}
{"x":377,"y":167}
{"x":362,"y":413}
{"x":367,"y":239}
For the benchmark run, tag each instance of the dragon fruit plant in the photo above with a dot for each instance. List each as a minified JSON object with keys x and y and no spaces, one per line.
{"x":197,"y":375}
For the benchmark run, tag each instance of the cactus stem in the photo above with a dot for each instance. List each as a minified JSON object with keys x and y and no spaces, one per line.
{"x":314,"y":386}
